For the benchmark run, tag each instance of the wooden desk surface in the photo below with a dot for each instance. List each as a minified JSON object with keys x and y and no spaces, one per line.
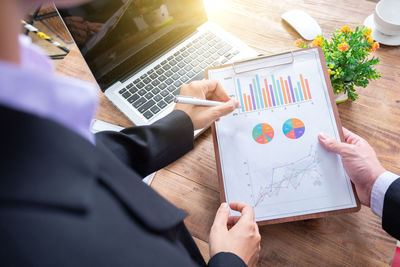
{"x":191,"y":182}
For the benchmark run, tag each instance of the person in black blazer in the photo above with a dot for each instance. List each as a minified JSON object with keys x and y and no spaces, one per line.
{"x":66,"y":202}
{"x":68,"y":198}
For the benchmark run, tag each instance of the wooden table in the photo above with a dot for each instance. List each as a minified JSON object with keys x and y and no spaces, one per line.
{"x":191,"y":182}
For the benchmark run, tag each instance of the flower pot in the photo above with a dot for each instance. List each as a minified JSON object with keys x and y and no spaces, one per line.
{"x":340,"y":98}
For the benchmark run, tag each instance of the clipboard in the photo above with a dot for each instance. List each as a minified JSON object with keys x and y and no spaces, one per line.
{"x":290,"y":58}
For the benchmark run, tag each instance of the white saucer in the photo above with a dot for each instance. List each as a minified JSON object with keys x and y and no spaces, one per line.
{"x":381,"y":38}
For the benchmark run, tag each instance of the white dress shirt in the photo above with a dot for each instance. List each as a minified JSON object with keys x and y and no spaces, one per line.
{"x":33,"y":87}
{"x":379,"y":189}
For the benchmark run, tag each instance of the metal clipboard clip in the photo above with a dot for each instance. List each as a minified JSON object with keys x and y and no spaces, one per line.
{"x":235,"y":64}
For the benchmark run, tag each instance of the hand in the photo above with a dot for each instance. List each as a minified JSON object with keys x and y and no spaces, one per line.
{"x":359,"y":160}
{"x":242,"y":238}
{"x":80,"y":28}
{"x":211,"y":90}
{"x":94,"y":26}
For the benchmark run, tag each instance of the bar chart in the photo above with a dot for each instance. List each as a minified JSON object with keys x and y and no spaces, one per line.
{"x":270,"y":92}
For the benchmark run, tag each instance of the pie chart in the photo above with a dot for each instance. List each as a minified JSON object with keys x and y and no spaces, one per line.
{"x":293,"y":128}
{"x":263,"y":133}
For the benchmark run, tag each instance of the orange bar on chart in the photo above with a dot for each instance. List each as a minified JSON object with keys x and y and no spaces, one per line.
{"x":288,"y":93}
{"x":245,"y":102}
{"x":283,"y":91}
{"x":249,"y":102}
{"x":304,"y":88}
{"x":269,"y":96}
{"x":308,"y":90}
{"x":265,"y":98}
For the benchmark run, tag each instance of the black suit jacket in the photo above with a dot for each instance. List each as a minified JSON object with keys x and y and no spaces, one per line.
{"x":66,"y":202}
{"x":391,"y":210}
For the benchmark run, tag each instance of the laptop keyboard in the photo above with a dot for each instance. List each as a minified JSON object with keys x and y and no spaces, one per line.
{"x":155,"y":90}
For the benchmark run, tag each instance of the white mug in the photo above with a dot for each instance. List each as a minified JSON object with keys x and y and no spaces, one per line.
{"x":387,"y":17}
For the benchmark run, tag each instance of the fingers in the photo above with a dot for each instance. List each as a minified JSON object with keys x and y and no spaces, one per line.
{"x":225,"y":109}
{"x":247,"y":211}
{"x":347,"y":133}
{"x":232,"y":220}
{"x":350,"y":137}
{"x":331,"y":143}
{"x":218,"y":93}
{"x":257,"y":229}
{"x":74,"y":18}
{"x":79,"y":26}
{"x":212,"y":90}
{"x":95,"y":27}
{"x":222,"y":216}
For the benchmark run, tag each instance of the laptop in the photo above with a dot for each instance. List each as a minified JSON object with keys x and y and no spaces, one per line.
{"x":141,"y":52}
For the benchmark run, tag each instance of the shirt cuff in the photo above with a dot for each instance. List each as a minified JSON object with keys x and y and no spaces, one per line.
{"x":379,"y":189}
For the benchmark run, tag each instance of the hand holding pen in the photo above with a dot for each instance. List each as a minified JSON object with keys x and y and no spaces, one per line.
{"x":205,"y":102}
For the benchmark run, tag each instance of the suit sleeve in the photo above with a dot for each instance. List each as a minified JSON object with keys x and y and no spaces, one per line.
{"x":391,"y":208}
{"x":147,"y":149}
{"x":225,"y":259}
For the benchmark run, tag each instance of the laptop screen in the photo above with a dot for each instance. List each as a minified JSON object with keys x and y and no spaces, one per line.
{"x":118,"y":37}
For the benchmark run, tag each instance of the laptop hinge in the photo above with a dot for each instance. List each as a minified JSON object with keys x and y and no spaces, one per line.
{"x":114,"y":86}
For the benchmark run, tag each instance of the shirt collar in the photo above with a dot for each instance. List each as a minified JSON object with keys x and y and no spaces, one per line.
{"x":33,"y":87}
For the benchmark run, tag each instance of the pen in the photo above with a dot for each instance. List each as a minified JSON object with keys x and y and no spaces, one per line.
{"x":195,"y":101}
{"x":44,"y":36}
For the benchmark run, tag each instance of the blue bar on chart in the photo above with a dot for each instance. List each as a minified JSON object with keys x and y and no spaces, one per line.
{"x":260,"y":95}
{"x":278,"y":92}
{"x":242,"y":105}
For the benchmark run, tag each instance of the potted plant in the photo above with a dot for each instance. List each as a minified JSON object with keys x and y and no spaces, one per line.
{"x":348,"y":59}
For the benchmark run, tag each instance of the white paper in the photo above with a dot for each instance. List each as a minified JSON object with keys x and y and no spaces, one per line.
{"x":285,"y":173}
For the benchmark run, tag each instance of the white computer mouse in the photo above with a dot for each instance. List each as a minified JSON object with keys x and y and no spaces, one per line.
{"x":303,"y":23}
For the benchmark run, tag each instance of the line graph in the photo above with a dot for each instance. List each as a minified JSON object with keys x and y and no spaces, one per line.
{"x":291,"y":176}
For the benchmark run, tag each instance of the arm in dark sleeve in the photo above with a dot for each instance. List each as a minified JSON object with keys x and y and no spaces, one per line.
{"x":225,"y":259}
{"x":149,"y":148}
{"x":391,"y":210}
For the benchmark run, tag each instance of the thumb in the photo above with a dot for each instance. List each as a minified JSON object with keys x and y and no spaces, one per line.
{"x":222,"y":216}
{"x":224,"y":109}
{"x":331,"y":143}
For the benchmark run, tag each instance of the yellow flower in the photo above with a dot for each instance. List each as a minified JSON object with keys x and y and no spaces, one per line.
{"x":374,"y":46}
{"x":299,"y":42}
{"x":368,"y":32}
{"x":317,"y":42}
{"x":370,"y":39}
{"x":331,"y":72}
{"x":346,"y":29}
{"x":343,"y":47}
